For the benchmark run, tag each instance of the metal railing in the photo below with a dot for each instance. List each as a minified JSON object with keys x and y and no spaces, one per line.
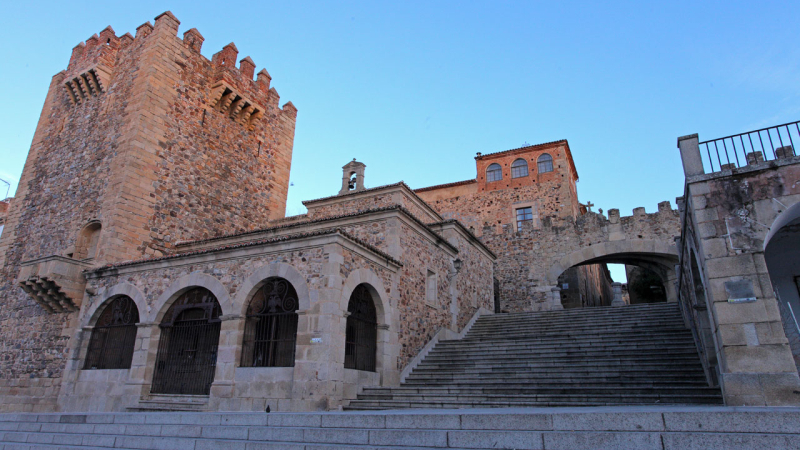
{"x":752,"y":147}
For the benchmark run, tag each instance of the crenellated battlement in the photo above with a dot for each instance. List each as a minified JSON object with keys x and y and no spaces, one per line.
{"x":92,"y":63}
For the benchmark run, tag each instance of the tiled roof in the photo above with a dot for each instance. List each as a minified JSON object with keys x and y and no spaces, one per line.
{"x":306,"y":202}
{"x":527,"y":147}
{"x":466,"y":230}
{"x":251,"y":244}
{"x":441,"y":186}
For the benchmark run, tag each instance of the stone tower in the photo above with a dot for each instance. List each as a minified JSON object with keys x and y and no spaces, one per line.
{"x":142,"y":142}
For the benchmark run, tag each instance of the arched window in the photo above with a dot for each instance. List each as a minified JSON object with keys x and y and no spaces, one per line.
{"x":113,"y":336}
{"x":270,"y":330}
{"x":187,"y":350}
{"x":361,"y":337}
{"x":494,"y":173}
{"x":545,"y":163}
{"x":519,"y":168}
{"x":86,"y":244}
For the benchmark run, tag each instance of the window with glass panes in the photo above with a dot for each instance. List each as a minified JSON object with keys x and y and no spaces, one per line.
{"x":524,"y":215}
{"x":494,"y":173}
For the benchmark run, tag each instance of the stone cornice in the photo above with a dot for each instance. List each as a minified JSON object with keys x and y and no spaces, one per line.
{"x":250,"y":249}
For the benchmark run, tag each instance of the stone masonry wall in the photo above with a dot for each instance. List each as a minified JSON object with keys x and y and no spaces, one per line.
{"x":146,"y":155}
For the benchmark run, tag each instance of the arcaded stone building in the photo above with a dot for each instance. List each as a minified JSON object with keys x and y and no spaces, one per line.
{"x":146,"y":263}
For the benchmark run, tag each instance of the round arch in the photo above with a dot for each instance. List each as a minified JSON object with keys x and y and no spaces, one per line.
{"x":183,"y":284}
{"x":791,"y":214}
{"x":256,"y":279}
{"x":626,"y":251}
{"x":94,"y":311}
{"x":375,"y":286}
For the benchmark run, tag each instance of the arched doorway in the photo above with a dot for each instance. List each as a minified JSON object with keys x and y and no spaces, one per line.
{"x":270,"y":329}
{"x":361,"y":336}
{"x":187,"y":349}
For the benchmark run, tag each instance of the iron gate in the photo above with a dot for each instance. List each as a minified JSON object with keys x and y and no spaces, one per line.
{"x":187,"y":349}
{"x":361,"y":336}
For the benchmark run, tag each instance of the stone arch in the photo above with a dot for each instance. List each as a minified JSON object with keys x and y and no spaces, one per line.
{"x":256,"y":279}
{"x":186,"y":282}
{"x":648,"y":250}
{"x":791,"y":214}
{"x":94,"y":311}
{"x":376,"y":288}
{"x":87,"y":242}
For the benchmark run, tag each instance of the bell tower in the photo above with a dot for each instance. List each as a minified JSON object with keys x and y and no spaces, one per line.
{"x":352,"y":177}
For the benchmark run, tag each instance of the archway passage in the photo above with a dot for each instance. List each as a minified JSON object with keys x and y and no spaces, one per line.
{"x":113,"y":336}
{"x":586,"y":283}
{"x":271,"y":326}
{"x":783,"y":264}
{"x":361,"y":337}
{"x":187,"y":349}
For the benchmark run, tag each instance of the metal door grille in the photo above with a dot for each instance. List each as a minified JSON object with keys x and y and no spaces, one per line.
{"x":114,"y":336}
{"x":187,"y":358}
{"x":271,"y":328}
{"x":187,"y":349}
{"x":361,"y":336}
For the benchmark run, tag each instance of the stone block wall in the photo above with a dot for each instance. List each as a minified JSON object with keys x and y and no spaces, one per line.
{"x":729,"y":217}
{"x":133,"y":135}
{"x":586,"y":286}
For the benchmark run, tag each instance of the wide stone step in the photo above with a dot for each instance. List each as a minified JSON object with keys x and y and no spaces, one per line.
{"x":502,"y":343}
{"x":574,"y":364}
{"x":545,"y":400}
{"x":611,"y":427}
{"x":532,"y":392}
{"x":573,"y":346}
{"x":588,"y":324}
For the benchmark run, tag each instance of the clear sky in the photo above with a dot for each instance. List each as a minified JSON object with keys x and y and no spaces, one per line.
{"x":415,"y":89}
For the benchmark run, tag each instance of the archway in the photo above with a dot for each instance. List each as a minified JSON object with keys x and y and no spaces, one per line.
{"x":113,"y":336}
{"x":782,"y":255}
{"x":361,"y":335}
{"x":581,"y":280}
{"x":187,"y":350}
{"x":270,"y":330}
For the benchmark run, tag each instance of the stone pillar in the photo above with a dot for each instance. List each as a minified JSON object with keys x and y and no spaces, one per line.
{"x":555,"y":299}
{"x":618,"y":301}
{"x":143,"y":361}
{"x":228,"y":353}
{"x":690,"y":155}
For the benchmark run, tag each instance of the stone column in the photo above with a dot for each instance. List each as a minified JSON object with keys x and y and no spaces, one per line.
{"x":228,"y":353}
{"x":618,"y":301}
{"x":142,"y":363}
{"x":555,"y":299}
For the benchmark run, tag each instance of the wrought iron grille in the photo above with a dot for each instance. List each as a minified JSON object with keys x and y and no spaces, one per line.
{"x":114,"y":336}
{"x":361,"y":337}
{"x":270,"y":329}
{"x":187,"y":349}
{"x":751,"y":147}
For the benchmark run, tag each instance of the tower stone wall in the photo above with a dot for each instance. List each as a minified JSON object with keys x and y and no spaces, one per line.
{"x":156,"y":143}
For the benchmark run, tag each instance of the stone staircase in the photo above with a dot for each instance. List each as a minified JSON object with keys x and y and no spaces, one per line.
{"x":618,"y":428}
{"x":630,"y":355}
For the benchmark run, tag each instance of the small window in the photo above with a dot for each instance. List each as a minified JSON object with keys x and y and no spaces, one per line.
{"x":494,"y":173}
{"x":430,"y":289}
{"x":519,"y":168}
{"x":545,"y":163}
{"x":524,"y":215}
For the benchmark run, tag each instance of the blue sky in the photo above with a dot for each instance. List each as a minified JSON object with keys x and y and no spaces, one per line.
{"x":414,"y":89}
